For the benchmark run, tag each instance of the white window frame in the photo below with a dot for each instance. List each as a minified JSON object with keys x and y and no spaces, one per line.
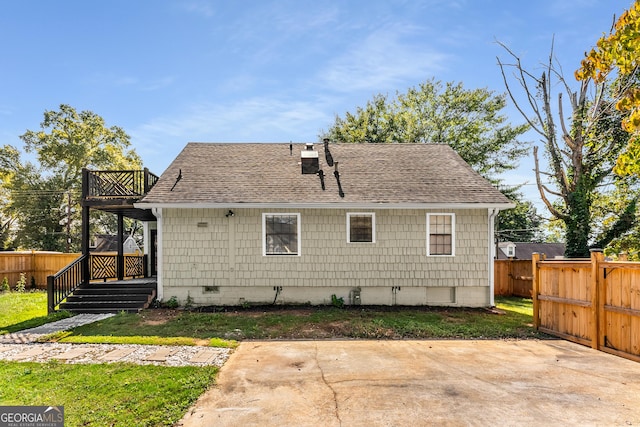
{"x":264,"y":233}
{"x":453,"y":234}
{"x":373,"y":226}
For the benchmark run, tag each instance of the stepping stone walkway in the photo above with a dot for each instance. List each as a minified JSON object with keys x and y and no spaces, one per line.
{"x":34,"y":334}
{"x":23,"y":347}
{"x":113,"y":353}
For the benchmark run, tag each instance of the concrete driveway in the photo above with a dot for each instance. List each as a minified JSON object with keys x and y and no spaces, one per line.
{"x":414,"y":383}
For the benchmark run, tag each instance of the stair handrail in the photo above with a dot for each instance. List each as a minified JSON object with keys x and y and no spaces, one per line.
{"x":64,"y":282}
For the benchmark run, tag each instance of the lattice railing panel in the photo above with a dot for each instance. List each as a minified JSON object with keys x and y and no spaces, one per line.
{"x":130,"y":183}
{"x":103,"y":267}
{"x":133,"y":266}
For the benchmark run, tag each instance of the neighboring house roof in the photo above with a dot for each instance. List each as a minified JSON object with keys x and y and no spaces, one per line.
{"x":106,"y":243}
{"x":244,"y":174}
{"x":525,"y":249}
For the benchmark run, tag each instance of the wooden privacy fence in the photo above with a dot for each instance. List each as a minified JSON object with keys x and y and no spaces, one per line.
{"x":512,"y":277}
{"x":592,"y":302}
{"x":38,"y":265}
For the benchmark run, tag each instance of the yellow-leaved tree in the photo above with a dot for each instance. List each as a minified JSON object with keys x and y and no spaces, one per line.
{"x":619,"y":51}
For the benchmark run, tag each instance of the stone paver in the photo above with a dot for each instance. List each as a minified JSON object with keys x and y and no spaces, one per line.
{"x":27,"y":353}
{"x":73,"y":353}
{"x":117,"y":354}
{"x":161,"y":355}
{"x":203,"y":356}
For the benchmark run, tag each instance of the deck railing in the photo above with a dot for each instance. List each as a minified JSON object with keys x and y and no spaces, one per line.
{"x":64,"y":282}
{"x":101,"y":267}
{"x":124,"y":183}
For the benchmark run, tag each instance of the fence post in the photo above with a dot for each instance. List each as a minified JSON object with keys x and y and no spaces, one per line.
{"x":50,"y":295}
{"x":535,"y":286}
{"x":596,"y":258}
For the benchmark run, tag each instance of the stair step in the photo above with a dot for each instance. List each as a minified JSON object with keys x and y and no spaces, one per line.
{"x":108,"y":298}
{"x":103,"y":304}
{"x":112,"y":291}
{"x":102,"y":310}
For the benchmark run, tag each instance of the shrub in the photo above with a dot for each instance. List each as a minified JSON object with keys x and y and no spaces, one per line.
{"x":172,"y":302}
{"x":21,"y":286}
{"x":5,"y":285}
{"x":337,"y":302}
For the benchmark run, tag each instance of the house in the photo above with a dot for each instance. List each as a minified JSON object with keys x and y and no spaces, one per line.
{"x":109,"y":243}
{"x":374,"y":224}
{"x":524,"y":250}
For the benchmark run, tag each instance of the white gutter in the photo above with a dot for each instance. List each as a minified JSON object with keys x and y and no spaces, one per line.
{"x":492,"y":213}
{"x":317,"y":205}
{"x":157,"y":212}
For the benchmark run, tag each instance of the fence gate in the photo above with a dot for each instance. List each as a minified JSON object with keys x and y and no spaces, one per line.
{"x":591,"y":302}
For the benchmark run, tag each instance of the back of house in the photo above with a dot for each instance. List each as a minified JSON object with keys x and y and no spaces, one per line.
{"x":372,"y":224}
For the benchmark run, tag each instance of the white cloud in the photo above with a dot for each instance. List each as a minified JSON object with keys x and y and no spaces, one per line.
{"x":384,"y":58}
{"x":202,"y":8}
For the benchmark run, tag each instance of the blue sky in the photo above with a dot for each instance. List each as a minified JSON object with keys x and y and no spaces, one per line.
{"x":169,"y":72}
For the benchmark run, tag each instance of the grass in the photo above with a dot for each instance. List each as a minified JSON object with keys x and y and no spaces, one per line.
{"x":106,"y":395}
{"x":24,"y":310}
{"x":318,"y":323}
{"x":69,"y":337}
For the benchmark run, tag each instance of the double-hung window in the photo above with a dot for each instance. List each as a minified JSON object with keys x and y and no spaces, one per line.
{"x":361,"y":227}
{"x":281,"y":233}
{"x":441,"y":234}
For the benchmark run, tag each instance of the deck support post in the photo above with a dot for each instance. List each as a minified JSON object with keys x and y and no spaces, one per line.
{"x":85,"y":227}
{"x":120,"y":257}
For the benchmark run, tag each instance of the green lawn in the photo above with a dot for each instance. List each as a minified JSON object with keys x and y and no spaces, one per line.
{"x":319,"y":323}
{"x":24,"y":310}
{"x":106,"y":395}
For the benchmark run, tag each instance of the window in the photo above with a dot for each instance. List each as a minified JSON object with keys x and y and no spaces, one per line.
{"x":281,"y":234}
{"x":440,"y":234}
{"x":361,"y":227}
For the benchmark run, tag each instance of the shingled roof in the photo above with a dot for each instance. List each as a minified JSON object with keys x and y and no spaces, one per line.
{"x":232,"y":174}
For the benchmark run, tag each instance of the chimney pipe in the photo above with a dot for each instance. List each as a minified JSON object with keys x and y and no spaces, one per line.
{"x":309,"y":160}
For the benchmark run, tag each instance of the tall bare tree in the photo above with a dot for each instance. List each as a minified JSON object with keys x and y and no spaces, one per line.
{"x":582,"y":138}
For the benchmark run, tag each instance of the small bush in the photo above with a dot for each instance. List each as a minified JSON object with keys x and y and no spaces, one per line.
{"x":21,"y":285}
{"x":4,"y":287}
{"x":337,"y":302}
{"x":172,"y":302}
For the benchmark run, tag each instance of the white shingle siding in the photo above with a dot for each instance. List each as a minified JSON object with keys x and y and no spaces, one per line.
{"x":228,"y":253}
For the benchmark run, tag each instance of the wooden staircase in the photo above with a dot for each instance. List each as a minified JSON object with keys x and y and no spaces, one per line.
{"x":112,"y":297}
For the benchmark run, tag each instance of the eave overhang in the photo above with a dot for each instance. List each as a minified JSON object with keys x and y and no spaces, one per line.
{"x":236,"y":205}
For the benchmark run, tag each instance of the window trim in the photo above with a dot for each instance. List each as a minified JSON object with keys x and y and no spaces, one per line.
{"x":264,"y":233}
{"x":453,"y":234}
{"x":373,"y":226}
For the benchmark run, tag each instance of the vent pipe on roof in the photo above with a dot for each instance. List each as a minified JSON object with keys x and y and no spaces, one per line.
{"x":337,"y":175}
{"x":327,"y":153}
{"x":310,"y":160}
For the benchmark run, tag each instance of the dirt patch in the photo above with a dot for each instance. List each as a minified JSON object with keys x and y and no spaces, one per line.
{"x":158,"y":316}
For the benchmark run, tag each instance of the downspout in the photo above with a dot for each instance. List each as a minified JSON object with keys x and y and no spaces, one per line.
{"x":157,"y":212}
{"x":493,"y":212}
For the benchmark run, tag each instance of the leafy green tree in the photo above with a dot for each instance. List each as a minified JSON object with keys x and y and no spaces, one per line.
{"x":470,"y":121}
{"x":38,"y":192}
{"x":581,"y":146}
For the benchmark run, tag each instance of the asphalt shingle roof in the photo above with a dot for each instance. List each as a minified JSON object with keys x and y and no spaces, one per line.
{"x":268,"y":173}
